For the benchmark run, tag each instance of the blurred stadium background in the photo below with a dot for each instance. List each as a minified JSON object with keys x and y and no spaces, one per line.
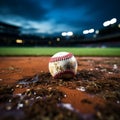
{"x":107,"y":36}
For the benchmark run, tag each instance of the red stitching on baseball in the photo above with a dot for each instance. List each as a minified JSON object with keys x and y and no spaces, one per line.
{"x":59,"y":75}
{"x":61,"y":57}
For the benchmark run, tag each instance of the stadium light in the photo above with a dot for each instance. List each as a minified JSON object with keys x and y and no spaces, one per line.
{"x":88,"y":31}
{"x":119,"y":25}
{"x":19,"y":41}
{"x":106,"y":23}
{"x":67,"y":33}
{"x":85,"y":31}
{"x":97,"y":31}
{"x":91,"y":30}
{"x":64,"y":34}
{"x":113,"y":21}
{"x":58,"y":39}
{"x":110,"y":22}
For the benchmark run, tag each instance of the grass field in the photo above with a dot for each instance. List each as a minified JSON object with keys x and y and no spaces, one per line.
{"x":46,"y":51}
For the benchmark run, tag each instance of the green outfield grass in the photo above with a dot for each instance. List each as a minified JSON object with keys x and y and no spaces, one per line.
{"x":46,"y":51}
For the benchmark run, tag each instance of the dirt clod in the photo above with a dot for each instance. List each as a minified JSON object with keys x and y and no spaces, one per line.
{"x":28,"y":91}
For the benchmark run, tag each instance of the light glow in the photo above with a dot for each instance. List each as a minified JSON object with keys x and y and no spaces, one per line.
{"x":69,"y":33}
{"x":110,"y":22}
{"x":106,"y":23}
{"x":85,"y":32}
{"x":119,"y":25}
{"x":88,"y":31}
{"x":113,"y":21}
{"x":91,"y":30}
{"x":64,"y":34}
{"x":97,"y":31}
{"x":58,"y":39}
{"x":19,"y":41}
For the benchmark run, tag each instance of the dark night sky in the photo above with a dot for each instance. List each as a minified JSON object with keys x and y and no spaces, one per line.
{"x":52,"y":16}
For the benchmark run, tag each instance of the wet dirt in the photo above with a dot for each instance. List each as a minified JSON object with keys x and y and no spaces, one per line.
{"x":26,"y":86}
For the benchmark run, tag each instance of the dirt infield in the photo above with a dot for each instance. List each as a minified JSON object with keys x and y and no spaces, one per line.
{"x":94,"y":93}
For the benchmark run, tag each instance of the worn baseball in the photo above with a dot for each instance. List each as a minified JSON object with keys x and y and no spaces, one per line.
{"x":63,"y":65}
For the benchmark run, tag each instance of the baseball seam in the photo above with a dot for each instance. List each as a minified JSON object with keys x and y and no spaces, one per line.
{"x":65,"y":57}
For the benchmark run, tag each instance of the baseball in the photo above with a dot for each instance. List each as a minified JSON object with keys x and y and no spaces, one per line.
{"x":63,"y":65}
